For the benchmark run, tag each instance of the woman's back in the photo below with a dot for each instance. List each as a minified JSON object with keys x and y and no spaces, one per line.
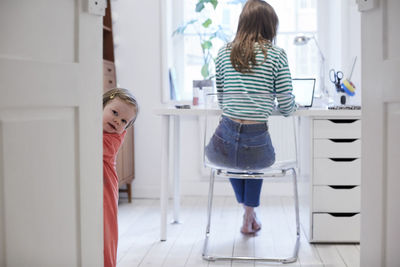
{"x":268,"y":75}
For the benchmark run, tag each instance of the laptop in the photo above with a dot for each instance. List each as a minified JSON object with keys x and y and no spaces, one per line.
{"x":303,"y":89}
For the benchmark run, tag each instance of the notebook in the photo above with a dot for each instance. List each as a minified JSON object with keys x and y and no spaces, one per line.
{"x":303,"y":89}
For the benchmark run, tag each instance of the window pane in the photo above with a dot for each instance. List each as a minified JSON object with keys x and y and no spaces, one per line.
{"x":286,"y":11}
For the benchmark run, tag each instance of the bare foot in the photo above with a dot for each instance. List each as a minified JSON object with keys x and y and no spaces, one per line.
{"x":251,"y":223}
{"x":247,"y":227}
{"x":256,"y":224}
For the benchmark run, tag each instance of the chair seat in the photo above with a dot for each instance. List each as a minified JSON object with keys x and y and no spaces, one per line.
{"x":279,"y":169}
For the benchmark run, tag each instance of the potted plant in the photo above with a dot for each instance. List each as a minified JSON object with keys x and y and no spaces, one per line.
{"x":206,"y":31}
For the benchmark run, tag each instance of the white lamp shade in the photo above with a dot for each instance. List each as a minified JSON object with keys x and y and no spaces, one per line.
{"x":301,"y":40}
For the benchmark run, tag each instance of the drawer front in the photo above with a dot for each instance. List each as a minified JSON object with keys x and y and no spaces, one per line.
{"x":336,"y":199}
{"x":327,"y":148}
{"x":330,"y":228}
{"x":333,"y":171}
{"x":347,"y":128}
{"x":108,"y":68}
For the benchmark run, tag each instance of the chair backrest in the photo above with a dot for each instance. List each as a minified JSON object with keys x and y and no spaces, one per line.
{"x":263,"y":107}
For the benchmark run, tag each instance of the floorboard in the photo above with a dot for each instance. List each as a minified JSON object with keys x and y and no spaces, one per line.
{"x":139,"y":232}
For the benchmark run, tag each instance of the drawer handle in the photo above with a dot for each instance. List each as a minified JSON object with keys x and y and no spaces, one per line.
{"x":343,"y":214}
{"x":348,"y":140}
{"x":109,"y":69}
{"x":110,"y":81}
{"x":343,"y":159}
{"x":342,"y":186}
{"x":344,"y":121}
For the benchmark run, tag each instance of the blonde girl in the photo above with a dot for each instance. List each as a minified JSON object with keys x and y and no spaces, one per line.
{"x":120,"y":110}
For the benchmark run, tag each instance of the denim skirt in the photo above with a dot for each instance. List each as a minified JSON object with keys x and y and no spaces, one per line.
{"x":239,"y":146}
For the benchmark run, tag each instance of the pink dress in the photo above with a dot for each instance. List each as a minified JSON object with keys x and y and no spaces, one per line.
{"x":111,"y":144}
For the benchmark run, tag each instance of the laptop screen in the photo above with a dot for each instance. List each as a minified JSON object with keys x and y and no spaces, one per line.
{"x":303,"y":89}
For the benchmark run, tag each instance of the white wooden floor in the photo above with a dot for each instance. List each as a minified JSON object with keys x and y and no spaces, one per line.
{"x":139,"y":231}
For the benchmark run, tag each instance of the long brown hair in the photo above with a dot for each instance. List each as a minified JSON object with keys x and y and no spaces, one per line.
{"x":258,"y":23}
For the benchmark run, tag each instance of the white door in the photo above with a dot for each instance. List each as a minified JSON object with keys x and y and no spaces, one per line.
{"x":380,"y":225}
{"x":50,"y":134}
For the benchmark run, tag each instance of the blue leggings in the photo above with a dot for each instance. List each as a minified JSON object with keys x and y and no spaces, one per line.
{"x":247,"y":191}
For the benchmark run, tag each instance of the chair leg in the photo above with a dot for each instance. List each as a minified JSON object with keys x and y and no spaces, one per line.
{"x":209,"y":210}
{"x":296,"y":209}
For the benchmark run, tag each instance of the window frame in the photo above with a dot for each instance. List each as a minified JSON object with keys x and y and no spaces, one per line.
{"x":175,"y":44}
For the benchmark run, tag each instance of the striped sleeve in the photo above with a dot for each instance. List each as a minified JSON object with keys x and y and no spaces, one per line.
{"x":283,"y":86}
{"x":219,"y":81}
{"x":219,"y":76}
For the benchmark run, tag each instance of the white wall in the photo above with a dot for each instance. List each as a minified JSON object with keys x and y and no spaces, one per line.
{"x":138,"y":55}
{"x":138,"y":61}
{"x":351,"y":44}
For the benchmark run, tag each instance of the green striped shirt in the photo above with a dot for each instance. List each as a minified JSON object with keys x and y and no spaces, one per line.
{"x":268,"y":76}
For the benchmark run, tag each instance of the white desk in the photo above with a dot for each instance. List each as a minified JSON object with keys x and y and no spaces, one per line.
{"x":170,"y":112}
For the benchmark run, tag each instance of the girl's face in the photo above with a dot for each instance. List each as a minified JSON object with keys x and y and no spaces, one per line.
{"x":116,"y":115}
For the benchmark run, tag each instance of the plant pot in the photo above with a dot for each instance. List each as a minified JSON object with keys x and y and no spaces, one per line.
{"x":200,"y":89}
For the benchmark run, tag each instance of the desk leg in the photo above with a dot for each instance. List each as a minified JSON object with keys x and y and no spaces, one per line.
{"x":176,"y":168}
{"x":164,"y":176}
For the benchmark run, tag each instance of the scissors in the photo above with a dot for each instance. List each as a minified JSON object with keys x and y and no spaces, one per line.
{"x":335,"y":77}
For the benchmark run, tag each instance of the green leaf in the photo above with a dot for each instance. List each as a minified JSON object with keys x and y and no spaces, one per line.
{"x":199,"y":6}
{"x":214,"y":3}
{"x":206,"y":45}
{"x":207,"y":23}
{"x":204,"y":71}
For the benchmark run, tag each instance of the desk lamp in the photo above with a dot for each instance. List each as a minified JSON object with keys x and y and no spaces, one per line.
{"x":303,"y":40}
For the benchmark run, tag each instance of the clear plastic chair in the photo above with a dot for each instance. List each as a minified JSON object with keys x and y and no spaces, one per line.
{"x":214,"y":103}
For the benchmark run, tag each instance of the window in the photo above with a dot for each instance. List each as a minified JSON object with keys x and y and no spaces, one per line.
{"x":295,"y":16}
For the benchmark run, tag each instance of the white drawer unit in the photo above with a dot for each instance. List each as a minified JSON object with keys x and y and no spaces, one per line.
{"x":331,"y":178}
